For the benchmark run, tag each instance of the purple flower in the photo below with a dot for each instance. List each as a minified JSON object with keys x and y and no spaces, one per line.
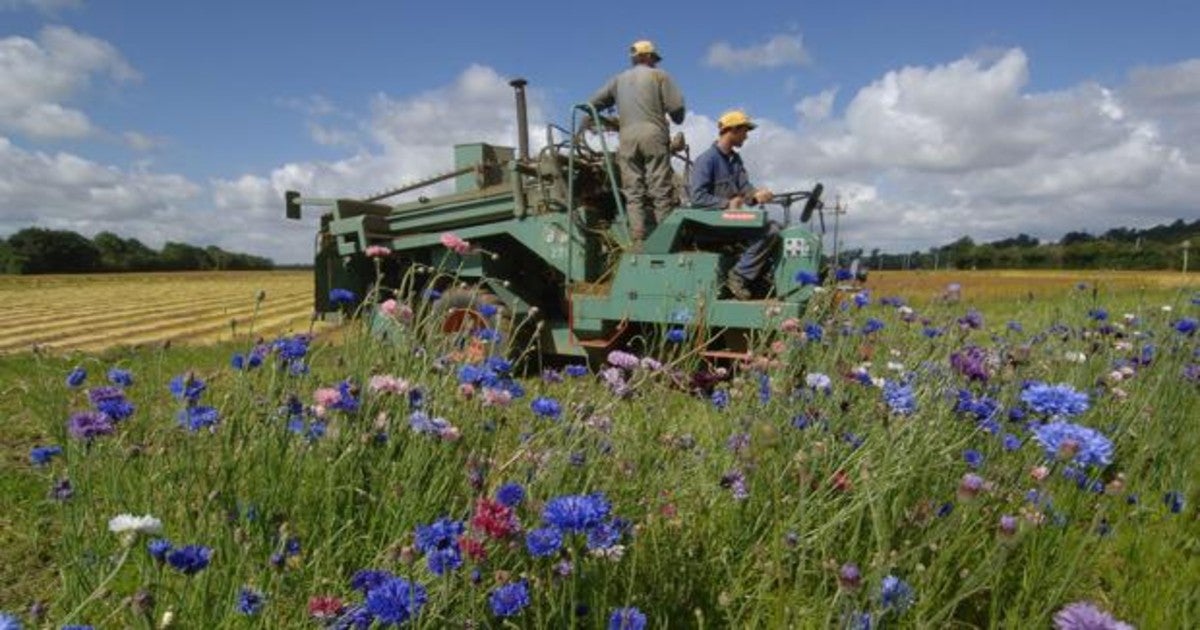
{"x":973,"y":320}
{"x":627,"y":619}
{"x":895,"y":593}
{"x":972,"y":362}
{"x":249,"y":601}
{"x":849,"y":577}
{"x":111,"y":401}
{"x":623,"y":360}
{"x":88,"y":425}
{"x":1086,"y":616}
{"x":899,"y":398}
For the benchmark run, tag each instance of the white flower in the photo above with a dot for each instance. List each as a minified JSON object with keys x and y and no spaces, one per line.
{"x":1074,"y":357}
{"x":1167,"y":308}
{"x":816,"y":380}
{"x":895,"y":367}
{"x":128,"y":523}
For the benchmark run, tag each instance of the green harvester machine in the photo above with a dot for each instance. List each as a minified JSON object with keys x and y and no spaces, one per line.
{"x":550,"y":243}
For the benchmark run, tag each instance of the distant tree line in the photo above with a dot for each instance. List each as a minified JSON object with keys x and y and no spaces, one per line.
{"x":1159,"y":247}
{"x":38,"y":250}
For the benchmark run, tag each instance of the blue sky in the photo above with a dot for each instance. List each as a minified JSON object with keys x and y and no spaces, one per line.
{"x":167,"y":120}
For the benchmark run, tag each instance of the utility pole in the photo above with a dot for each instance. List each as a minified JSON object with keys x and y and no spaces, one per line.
{"x":838,"y":211}
{"x":1186,"y":245}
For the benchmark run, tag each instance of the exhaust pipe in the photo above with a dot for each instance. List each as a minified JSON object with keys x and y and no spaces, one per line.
{"x":518,"y":86}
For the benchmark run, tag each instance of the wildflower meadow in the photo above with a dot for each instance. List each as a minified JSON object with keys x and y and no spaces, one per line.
{"x":924,"y":460}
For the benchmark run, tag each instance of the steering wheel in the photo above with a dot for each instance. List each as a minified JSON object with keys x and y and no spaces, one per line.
{"x":814,"y":198}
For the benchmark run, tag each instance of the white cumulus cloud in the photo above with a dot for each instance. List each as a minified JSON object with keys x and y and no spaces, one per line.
{"x":39,"y":78}
{"x":818,"y":106}
{"x":780,"y":50}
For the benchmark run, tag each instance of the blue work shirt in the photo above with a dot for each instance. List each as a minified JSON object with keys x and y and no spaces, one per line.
{"x":716,"y":178}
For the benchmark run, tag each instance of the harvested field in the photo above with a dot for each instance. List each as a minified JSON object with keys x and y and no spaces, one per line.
{"x":93,"y":312}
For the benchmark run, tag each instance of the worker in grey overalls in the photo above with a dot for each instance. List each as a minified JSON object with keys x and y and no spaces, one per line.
{"x":644,"y":95}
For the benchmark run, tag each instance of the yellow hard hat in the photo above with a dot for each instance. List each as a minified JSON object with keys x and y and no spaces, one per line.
{"x":734,"y":118}
{"x":643,"y":47}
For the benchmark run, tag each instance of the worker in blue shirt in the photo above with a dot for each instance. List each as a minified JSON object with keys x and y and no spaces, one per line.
{"x":719,"y":181}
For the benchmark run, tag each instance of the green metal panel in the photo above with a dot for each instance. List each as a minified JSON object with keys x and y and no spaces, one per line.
{"x":490,"y":157}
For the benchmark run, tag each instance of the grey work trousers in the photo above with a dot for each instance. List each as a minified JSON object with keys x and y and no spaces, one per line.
{"x":648,"y":183}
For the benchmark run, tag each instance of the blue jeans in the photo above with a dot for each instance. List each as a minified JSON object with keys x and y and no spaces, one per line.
{"x":760,"y":254}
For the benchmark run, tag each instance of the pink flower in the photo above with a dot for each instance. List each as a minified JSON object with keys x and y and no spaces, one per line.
{"x":497,"y":397}
{"x":1039,"y":473}
{"x":790,"y":324}
{"x":466,"y":390}
{"x":387,"y":384}
{"x":327,"y":396}
{"x":378,"y":251}
{"x":455,"y":243}
{"x":388,"y":307}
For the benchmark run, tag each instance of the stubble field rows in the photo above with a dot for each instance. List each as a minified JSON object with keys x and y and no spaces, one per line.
{"x":93,"y":312}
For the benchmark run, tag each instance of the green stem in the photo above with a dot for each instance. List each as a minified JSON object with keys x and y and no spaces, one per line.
{"x":99,"y":589}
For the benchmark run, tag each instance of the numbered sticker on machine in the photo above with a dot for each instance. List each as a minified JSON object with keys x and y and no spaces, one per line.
{"x":795,"y":247}
{"x":556,"y":242}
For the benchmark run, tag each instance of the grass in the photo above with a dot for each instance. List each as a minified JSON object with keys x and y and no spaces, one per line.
{"x":859,"y":484}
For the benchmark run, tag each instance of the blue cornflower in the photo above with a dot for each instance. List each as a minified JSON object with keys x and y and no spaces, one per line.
{"x":544,"y":542}
{"x":200,"y":417}
{"x":439,"y":542}
{"x":676,"y":335}
{"x":488,"y":334}
{"x":237,"y":361}
{"x":1011,"y":442}
{"x":191,"y":559}
{"x":1015,"y":326}
{"x":9,"y":622}
{"x":814,"y":332}
{"x":396,"y":600}
{"x":121,"y":378}
{"x":973,"y":458}
{"x":291,"y":348}
{"x":249,"y":601}
{"x":575,"y":370}
{"x":895,"y":593}
{"x":899,"y":397}
{"x":342,"y":296}
{"x":1174,"y":500}
{"x":546,"y":408}
{"x":366,"y":579}
{"x":510,"y":599}
{"x":76,"y":377}
{"x":1054,"y":400}
{"x":842,"y":275}
{"x":41,"y":455}
{"x":932,"y":332}
{"x":187,"y":387}
{"x":872,"y":325}
{"x":606,"y":534}
{"x":510,"y":494}
{"x":862,"y":298}
{"x":1098,"y":314}
{"x":346,"y":401}
{"x":111,"y":401}
{"x":576,"y":513}
{"x":159,"y":548}
{"x":627,"y":619}
{"x":1083,"y":445}
{"x":806,"y":278}
{"x":983,"y":408}
{"x":720,"y":398}
{"x":1186,"y":326}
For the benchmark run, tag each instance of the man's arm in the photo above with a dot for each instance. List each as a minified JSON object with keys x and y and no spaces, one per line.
{"x":672,"y":98}
{"x":606,"y":96}
{"x":700,"y":188}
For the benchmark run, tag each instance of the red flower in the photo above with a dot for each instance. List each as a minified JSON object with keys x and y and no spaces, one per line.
{"x":473,"y":548}
{"x":324,"y":607}
{"x":841,"y":481}
{"x":494,"y":519}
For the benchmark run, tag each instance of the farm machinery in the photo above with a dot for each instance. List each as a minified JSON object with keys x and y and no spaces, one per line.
{"x":549,"y":242}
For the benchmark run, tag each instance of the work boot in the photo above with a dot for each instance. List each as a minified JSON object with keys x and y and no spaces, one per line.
{"x":737,"y":287}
